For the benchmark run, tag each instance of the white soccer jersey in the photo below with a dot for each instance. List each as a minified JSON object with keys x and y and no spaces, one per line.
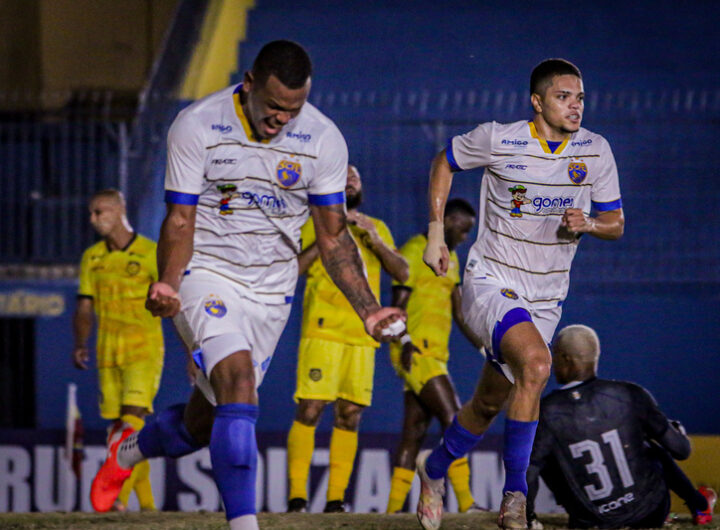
{"x":526,"y":188}
{"x":252,"y":196}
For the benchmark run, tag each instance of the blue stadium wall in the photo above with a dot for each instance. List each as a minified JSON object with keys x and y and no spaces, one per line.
{"x":399,"y":81}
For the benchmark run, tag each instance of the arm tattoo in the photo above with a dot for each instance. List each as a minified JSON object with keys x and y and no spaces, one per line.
{"x":341,"y":259}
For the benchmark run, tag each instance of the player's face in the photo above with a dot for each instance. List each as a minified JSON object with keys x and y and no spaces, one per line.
{"x":105,"y":215}
{"x":353,"y":188}
{"x":457,"y":227}
{"x":562,"y":105}
{"x":271,"y":105}
{"x":561,"y":365}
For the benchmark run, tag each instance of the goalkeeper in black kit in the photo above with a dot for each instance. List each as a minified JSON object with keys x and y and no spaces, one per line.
{"x":605,"y":449}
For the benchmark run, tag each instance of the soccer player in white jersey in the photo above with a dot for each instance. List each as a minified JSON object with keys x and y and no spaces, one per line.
{"x":246,"y":165}
{"x":542,"y":180}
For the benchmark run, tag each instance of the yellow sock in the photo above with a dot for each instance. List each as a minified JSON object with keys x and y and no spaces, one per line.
{"x":399,"y":487}
{"x":459,"y":475}
{"x":140,"y":478}
{"x":343,"y":447}
{"x":300,"y":444}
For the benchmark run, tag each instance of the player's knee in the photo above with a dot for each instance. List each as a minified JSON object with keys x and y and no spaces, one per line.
{"x":535,"y":371}
{"x":309,"y":411}
{"x":347,"y":416}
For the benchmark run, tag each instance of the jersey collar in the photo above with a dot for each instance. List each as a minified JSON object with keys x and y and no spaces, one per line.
{"x":543,"y":141}
{"x":243,"y":119}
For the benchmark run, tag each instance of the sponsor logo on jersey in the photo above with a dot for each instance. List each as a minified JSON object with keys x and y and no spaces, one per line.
{"x":299,"y":136}
{"x":315,"y":374}
{"x":514,"y":141}
{"x":516,"y":166}
{"x":517,"y":200}
{"x":215,"y":307}
{"x":288,"y":172}
{"x":552,"y":204}
{"x":133,"y":267}
{"x":227,"y":193}
{"x":581,"y":143}
{"x":220,"y":127}
{"x":224,"y":161}
{"x":264,"y":201}
{"x":509,"y":293}
{"x":617,"y":503}
{"x":577,"y":171}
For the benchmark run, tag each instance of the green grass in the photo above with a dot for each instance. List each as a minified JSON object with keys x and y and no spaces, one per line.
{"x":268,"y":521}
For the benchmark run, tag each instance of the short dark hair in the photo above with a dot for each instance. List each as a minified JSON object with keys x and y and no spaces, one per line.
{"x":459,"y":205}
{"x":542,"y":75}
{"x":286,"y":60}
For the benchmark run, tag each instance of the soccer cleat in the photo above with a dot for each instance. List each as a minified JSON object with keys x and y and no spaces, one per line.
{"x":474,"y":508}
{"x":335,"y":507}
{"x":297,"y":505}
{"x":430,"y":503}
{"x":705,"y":517}
{"x":110,"y":477}
{"x":512,"y":510}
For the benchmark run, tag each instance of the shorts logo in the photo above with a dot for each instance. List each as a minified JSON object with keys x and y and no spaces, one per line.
{"x":509,"y":293}
{"x":288,"y":173}
{"x":132,"y":268}
{"x":215,"y":307}
{"x":315,"y":374}
{"x":577,"y":171}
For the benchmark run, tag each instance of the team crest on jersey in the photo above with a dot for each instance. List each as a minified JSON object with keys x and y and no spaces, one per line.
{"x":315,"y":374}
{"x":133,"y":267}
{"x":509,"y":293}
{"x":577,"y":171}
{"x":288,"y":172}
{"x":215,"y":307}
{"x":518,"y":199}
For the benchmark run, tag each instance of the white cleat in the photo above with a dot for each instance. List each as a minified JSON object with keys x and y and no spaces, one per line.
{"x":512,"y":510}
{"x":430,"y":503}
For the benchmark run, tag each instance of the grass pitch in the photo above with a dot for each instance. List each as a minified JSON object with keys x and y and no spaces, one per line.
{"x":270,"y":521}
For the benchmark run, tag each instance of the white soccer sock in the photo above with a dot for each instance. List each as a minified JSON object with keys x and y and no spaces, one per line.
{"x":129,"y":453}
{"x":244,"y":522}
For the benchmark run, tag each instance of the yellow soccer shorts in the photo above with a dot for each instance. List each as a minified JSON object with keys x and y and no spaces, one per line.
{"x":329,"y":370}
{"x":424,"y":367}
{"x":135,"y":384}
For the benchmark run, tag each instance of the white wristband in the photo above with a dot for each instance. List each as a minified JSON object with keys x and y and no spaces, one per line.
{"x":405,"y":338}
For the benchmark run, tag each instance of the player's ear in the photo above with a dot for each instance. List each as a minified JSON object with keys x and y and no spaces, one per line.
{"x":536,"y":102}
{"x":248,"y":80}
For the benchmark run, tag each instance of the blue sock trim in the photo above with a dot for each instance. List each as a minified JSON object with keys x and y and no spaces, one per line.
{"x":512,"y":317}
{"x":457,"y":442}
{"x":518,"y":443}
{"x":166,"y":435}
{"x":233,"y":452}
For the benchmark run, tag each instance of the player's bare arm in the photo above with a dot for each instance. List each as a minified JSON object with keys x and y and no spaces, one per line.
{"x":436,"y":254}
{"x":83,"y":320}
{"x":460,"y":319}
{"x":341,"y":259}
{"x":606,"y":225}
{"x":174,"y":250}
{"x":307,"y":257}
{"x":391,"y":260}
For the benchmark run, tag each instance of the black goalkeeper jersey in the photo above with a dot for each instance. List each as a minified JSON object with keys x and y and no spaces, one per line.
{"x":592,"y":450}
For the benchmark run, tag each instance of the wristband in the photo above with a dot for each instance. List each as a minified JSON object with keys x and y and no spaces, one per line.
{"x":405,"y":339}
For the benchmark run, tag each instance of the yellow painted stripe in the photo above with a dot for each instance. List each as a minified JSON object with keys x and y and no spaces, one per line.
{"x":543,"y":141}
{"x":215,"y":56}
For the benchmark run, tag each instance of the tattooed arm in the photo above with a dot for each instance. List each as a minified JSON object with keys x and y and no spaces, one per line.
{"x":341,"y":259}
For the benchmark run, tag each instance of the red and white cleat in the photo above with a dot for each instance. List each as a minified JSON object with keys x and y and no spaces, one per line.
{"x":109,"y":480}
{"x":430,"y":503}
{"x":705,"y":517}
